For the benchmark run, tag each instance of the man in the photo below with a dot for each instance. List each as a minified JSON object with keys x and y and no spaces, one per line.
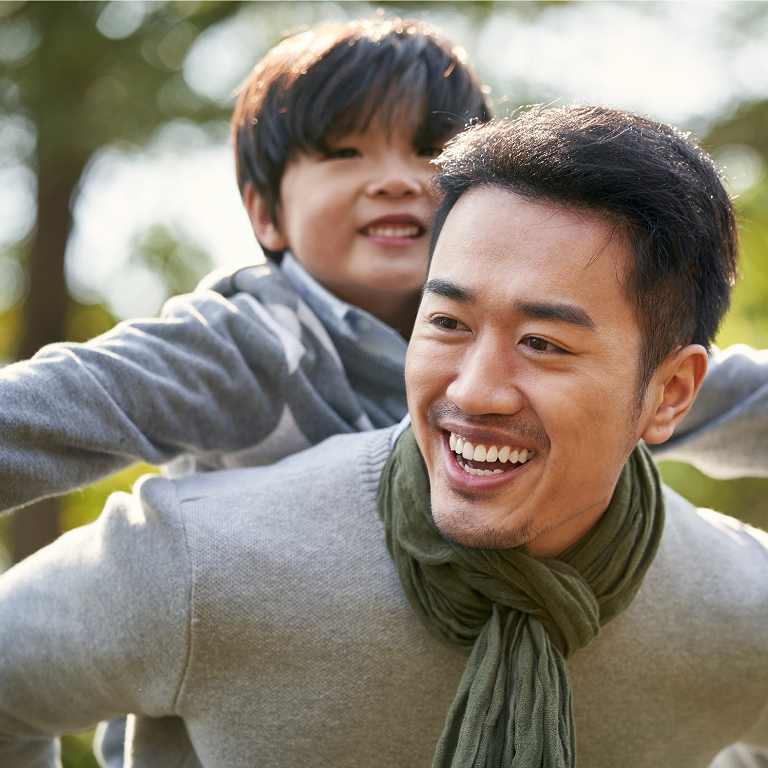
{"x":582,"y":260}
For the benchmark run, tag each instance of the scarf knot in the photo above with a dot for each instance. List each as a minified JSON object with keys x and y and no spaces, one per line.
{"x":517,"y":617}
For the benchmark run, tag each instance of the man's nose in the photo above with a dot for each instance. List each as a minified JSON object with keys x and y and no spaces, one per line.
{"x":486,"y":382}
{"x":394,"y":177}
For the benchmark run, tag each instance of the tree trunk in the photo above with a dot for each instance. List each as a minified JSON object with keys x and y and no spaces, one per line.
{"x":45,"y":315}
{"x":46,"y":305}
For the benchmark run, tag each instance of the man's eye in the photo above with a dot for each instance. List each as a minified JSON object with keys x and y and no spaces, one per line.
{"x":541,"y":345}
{"x":431,"y":152}
{"x":447,"y":323}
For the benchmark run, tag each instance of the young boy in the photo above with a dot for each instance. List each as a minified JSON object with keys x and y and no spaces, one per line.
{"x":334,"y":134}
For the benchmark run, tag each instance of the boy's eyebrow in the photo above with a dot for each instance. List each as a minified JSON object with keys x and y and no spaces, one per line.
{"x":557,"y":311}
{"x":447,"y":289}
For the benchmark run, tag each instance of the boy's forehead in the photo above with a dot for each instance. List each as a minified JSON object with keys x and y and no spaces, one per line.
{"x":405,"y":118}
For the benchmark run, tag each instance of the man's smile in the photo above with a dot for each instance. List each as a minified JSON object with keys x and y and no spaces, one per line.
{"x":479,"y":459}
{"x":486,"y":451}
{"x":466,"y":471}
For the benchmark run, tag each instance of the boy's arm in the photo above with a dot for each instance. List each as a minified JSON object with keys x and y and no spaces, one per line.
{"x":95,"y":626}
{"x":725,"y":434}
{"x":214,"y":376}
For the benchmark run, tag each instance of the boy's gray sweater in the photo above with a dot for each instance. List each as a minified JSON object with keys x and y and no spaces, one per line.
{"x":255,"y":618}
{"x":239,"y":374}
{"x":244,"y":373}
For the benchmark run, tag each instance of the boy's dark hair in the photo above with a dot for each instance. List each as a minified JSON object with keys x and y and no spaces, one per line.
{"x":335,"y":78}
{"x":663,"y":192}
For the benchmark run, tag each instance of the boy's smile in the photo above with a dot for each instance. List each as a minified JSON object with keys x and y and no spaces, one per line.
{"x":357,"y":218}
{"x":394,"y":231}
{"x":522,"y":372}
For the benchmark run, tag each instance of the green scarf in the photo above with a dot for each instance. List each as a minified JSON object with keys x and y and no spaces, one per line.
{"x":517,"y":617}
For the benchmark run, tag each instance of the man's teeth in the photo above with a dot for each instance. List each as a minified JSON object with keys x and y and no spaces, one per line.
{"x":390,"y":230}
{"x":479,"y":452}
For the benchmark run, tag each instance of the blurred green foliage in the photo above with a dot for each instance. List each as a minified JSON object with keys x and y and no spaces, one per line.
{"x":172,"y":257}
{"x":84,"y":506}
{"x":76,"y":751}
{"x":745,"y":498}
{"x":10,"y":327}
{"x":747,"y":323}
{"x":85,"y":321}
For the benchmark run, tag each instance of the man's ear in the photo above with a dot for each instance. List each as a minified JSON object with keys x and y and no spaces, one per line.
{"x":267,"y":233}
{"x":673,"y":388}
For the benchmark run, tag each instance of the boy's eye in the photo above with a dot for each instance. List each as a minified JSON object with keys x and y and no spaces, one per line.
{"x":431,"y":152}
{"x":343,"y":153}
{"x":541,"y":345}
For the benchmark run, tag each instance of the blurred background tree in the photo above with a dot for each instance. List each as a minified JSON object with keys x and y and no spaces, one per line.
{"x":77,"y":77}
{"x":117,"y":186}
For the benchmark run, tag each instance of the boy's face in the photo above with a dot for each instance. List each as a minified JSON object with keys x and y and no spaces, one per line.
{"x":357,"y":218}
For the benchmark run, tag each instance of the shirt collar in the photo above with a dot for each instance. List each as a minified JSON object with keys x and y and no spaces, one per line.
{"x":370,"y":333}
{"x":324,"y":304}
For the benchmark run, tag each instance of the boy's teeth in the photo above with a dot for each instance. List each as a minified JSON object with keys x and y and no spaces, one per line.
{"x":390,"y":230}
{"x":472,"y":452}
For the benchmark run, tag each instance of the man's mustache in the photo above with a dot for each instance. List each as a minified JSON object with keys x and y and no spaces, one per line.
{"x":514,"y":426}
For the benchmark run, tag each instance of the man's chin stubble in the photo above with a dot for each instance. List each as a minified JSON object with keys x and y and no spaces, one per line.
{"x":459,"y":530}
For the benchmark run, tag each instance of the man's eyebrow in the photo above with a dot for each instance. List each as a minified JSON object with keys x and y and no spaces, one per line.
{"x":562,"y":313}
{"x":446,"y":289}
{"x":555,"y":311}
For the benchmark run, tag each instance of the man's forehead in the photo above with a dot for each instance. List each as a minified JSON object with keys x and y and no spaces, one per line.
{"x":539,"y":259}
{"x":505,"y":203}
{"x":502,"y":224}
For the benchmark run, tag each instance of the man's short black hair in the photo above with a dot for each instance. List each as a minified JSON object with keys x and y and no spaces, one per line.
{"x":663,"y":192}
{"x":335,"y":78}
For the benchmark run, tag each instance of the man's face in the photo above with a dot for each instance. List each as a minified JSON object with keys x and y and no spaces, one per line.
{"x":357,"y":218}
{"x":524,"y":342}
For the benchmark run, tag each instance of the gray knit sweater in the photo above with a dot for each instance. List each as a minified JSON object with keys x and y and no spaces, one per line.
{"x":243,"y":373}
{"x":240,"y":373}
{"x":254,"y":618}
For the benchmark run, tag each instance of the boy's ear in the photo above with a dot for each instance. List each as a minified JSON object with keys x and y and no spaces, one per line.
{"x":266,"y":232}
{"x":674,"y":388}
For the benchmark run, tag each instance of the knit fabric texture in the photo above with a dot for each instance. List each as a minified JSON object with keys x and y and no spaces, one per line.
{"x":516,"y":616}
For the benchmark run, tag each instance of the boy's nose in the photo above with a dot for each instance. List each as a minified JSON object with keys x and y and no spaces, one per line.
{"x":397,"y":180}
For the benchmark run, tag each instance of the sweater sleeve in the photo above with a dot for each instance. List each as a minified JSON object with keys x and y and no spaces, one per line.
{"x":725,"y":434}
{"x":95,"y":626}
{"x":232,"y":380}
